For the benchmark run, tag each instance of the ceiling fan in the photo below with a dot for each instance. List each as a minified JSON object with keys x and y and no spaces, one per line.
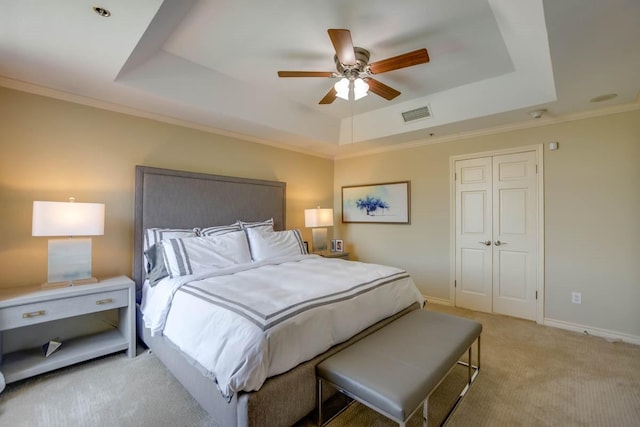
{"x":352,"y":64}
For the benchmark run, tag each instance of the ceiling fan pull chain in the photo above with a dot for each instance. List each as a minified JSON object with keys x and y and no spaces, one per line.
{"x":351,"y":101}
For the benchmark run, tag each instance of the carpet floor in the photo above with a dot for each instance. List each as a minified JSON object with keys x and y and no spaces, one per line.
{"x":531,"y":375}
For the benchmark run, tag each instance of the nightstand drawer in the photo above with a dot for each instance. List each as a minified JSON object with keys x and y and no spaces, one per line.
{"x":45,"y":311}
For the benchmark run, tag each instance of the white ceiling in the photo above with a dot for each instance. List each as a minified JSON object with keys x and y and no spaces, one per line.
{"x":213,"y":64}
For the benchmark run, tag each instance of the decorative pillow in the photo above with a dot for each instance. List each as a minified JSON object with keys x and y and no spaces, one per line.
{"x":272,"y":244}
{"x":189,"y":256}
{"x":219,"y":230}
{"x":156,"y":269}
{"x":155,"y":235}
{"x":260,"y":225}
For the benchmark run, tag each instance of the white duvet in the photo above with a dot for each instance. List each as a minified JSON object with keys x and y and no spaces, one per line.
{"x":246,"y":323}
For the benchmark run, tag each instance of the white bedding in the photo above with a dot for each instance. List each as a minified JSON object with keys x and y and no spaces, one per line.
{"x":246,"y":323}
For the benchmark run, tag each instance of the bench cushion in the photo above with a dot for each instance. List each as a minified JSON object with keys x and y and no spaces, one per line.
{"x":397,"y":367}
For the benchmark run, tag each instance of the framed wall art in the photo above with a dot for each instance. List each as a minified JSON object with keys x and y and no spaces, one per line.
{"x":377,"y":203}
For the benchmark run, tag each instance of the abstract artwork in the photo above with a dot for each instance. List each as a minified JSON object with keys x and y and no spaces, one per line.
{"x":377,"y":203}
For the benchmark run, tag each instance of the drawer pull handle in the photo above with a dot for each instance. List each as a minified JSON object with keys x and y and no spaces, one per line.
{"x":104,"y":301}
{"x":33,"y":314}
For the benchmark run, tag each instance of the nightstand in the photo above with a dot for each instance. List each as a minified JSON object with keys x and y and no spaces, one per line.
{"x":38,"y":308}
{"x":329,"y":254}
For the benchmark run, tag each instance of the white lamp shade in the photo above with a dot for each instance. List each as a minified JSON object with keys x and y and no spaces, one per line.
{"x":360,"y":88}
{"x":67,"y":219}
{"x":318,"y":217}
{"x":342,"y":88}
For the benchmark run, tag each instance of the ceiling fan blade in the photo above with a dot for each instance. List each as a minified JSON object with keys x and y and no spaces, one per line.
{"x":343,"y":45}
{"x":329,"y":97}
{"x":305,"y":74}
{"x":416,"y":57}
{"x":381,"y":89}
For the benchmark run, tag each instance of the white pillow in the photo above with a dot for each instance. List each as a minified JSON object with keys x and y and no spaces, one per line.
{"x":272,"y":244}
{"x":219,"y":229}
{"x":260,"y":225}
{"x":155,"y":235}
{"x":189,"y":256}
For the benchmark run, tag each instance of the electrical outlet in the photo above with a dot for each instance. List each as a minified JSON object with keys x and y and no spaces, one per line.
{"x":576,"y":297}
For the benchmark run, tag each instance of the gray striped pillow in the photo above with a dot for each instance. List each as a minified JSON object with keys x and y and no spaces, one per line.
{"x":219,"y":230}
{"x":184,"y":257}
{"x":155,"y":235}
{"x":260,"y":225}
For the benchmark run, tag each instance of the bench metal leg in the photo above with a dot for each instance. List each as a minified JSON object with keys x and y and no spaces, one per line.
{"x":471,"y":378}
{"x":319,"y":402}
{"x":333,"y":414}
{"x":425,"y":413}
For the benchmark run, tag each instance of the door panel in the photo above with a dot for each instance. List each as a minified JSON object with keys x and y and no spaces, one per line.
{"x":473,"y":226}
{"x":512,"y":275}
{"x":515,"y":227}
{"x":512,"y":215}
{"x":473,"y":267}
{"x":473,"y":202}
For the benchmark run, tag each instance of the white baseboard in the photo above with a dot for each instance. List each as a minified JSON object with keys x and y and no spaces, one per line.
{"x":437,"y":300}
{"x":604,"y":333}
{"x":608,"y":335}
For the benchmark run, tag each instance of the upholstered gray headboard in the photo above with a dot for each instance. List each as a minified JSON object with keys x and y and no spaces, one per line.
{"x":176,"y":199}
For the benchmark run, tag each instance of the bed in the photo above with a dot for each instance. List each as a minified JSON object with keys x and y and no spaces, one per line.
{"x":167,"y":199}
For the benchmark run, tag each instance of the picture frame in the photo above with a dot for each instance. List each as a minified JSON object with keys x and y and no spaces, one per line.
{"x":306,"y":246}
{"x":384,"y":203}
{"x":339,"y":246}
{"x":333,"y":245}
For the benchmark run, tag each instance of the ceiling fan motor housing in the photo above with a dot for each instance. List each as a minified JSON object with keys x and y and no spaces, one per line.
{"x":354,"y":71}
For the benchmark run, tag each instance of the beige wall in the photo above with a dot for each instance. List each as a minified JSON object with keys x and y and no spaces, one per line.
{"x":51,"y":149}
{"x":592,"y":214}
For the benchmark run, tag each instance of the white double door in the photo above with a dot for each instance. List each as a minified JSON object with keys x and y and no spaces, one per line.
{"x":497,"y":234}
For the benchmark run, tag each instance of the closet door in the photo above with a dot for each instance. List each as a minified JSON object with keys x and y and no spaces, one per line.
{"x":474,"y":236}
{"x":515,"y":228}
{"x":496,"y":234}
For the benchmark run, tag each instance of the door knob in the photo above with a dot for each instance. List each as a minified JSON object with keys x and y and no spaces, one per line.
{"x":497,"y":243}
{"x":486,"y":243}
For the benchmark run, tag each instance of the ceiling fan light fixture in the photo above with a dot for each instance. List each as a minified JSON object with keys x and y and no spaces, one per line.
{"x":342,"y":88}
{"x":360,"y":89}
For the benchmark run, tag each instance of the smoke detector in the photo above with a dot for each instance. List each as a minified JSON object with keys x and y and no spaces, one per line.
{"x":536,"y":114}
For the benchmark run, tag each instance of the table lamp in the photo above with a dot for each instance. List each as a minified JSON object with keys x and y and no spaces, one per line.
{"x":318,"y":219}
{"x":69,"y":260}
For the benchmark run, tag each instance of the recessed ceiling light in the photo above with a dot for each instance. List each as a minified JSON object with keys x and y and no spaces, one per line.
{"x":101,"y":11}
{"x":602,"y":98}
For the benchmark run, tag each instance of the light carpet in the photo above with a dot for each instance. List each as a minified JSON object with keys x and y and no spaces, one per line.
{"x":531,"y":375}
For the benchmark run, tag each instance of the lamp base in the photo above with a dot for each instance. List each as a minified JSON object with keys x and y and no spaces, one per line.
{"x":319,"y":236}
{"x":69,"y":260}
{"x":77,"y":282}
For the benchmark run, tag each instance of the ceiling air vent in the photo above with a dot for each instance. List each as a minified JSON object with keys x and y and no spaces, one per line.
{"x":417,"y":114}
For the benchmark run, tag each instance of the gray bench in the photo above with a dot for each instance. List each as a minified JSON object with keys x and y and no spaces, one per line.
{"x":395,"y":369}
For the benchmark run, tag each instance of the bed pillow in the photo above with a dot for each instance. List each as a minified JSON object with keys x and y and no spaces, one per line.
{"x":272,"y":244}
{"x":155,"y":235}
{"x":219,"y":230}
{"x":259,"y":225}
{"x":193,"y":255}
{"x":156,"y":269}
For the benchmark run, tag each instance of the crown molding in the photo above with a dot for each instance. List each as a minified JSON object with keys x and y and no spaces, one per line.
{"x":118,"y":108}
{"x":545,"y":121}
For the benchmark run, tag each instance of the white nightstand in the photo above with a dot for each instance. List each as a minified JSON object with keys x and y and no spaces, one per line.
{"x":329,"y":254}
{"x":35,"y":307}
